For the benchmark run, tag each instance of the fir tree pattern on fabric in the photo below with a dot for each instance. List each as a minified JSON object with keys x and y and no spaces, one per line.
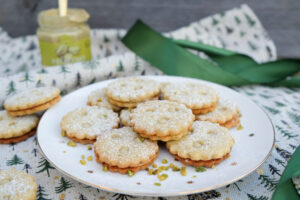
{"x":41,"y":194}
{"x":45,"y":166}
{"x":63,"y":185}
{"x":14,"y":161}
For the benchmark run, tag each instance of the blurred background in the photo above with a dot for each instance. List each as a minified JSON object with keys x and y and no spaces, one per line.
{"x":281,"y":18}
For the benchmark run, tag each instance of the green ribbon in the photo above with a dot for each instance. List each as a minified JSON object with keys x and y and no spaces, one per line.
{"x":227,"y":67}
{"x":285,"y":188}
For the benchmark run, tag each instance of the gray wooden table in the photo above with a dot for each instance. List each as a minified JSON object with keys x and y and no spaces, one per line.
{"x":281,"y":18}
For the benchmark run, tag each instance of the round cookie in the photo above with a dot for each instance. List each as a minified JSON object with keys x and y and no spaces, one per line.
{"x":162,"y":120}
{"x":128,"y":105}
{"x":16,"y":129}
{"x":127,"y":92}
{"x":125,"y":117}
{"x":225,"y":114}
{"x":32,"y":101}
{"x":85,"y":124}
{"x":17,"y":185}
{"x":99,"y":98}
{"x":122,"y":150}
{"x":198,"y":97}
{"x":206,"y":145}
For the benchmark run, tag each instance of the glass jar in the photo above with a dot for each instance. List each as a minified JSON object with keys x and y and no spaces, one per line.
{"x":64,"y":39}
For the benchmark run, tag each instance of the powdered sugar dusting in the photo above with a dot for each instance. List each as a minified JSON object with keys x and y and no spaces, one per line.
{"x":125,"y":117}
{"x":16,"y":185}
{"x":162,"y":117}
{"x":132,"y":89}
{"x":31,"y":97}
{"x":89,"y":122}
{"x":121,"y":146}
{"x":223,"y":112}
{"x":193,"y":95}
{"x":99,"y":98}
{"x":206,"y":141}
{"x":16,"y":126}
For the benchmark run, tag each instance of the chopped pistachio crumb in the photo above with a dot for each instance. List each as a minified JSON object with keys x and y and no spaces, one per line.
{"x":213,"y":166}
{"x":82,"y":157}
{"x":157,"y":184}
{"x":162,"y":177}
{"x":150,"y":171}
{"x":174,"y":167}
{"x":183,"y":171}
{"x":83,"y":162}
{"x":154,"y":165}
{"x":104,"y":168}
{"x":240,"y":127}
{"x":194,"y":176}
{"x":105,"y":116}
{"x":63,"y":134}
{"x":157,"y":171}
{"x":99,"y":100}
{"x":200,"y":169}
{"x":260,"y":171}
{"x":166,"y":168}
{"x":71,"y":144}
{"x":89,"y":147}
{"x":141,"y":139}
{"x":130,"y":173}
{"x":164,"y":161}
{"x":90,"y":158}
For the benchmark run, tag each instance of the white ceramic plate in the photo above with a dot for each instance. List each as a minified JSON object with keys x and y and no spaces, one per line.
{"x":248,"y":153}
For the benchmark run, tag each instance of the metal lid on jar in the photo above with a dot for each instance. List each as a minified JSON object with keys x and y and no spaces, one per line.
{"x":51,"y":18}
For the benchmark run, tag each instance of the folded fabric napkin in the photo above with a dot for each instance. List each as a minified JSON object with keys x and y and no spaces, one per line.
{"x":237,"y":30}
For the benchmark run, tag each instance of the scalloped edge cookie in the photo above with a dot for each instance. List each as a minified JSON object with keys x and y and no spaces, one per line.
{"x":35,"y":109}
{"x":31,"y":98}
{"x":136,"y":156}
{"x":98,"y":98}
{"x":132,"y":89}
{"x":17,"y":185}
{"x":16,"y":129}
{"x":226,"y":114}
{"x":72,"y":124}
{"x":207,"y":141}
{"x":179,"y":117}
{"x":198,"y":97}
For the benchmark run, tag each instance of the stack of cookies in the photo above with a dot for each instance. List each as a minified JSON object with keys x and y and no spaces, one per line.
{"x":127,"y":118}
{"x":19,"y":121}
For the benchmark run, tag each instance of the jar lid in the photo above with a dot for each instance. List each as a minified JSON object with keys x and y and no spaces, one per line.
{"x":51,"y":17}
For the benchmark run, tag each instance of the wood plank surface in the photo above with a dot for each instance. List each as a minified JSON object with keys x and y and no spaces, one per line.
{"x":281,"y":18}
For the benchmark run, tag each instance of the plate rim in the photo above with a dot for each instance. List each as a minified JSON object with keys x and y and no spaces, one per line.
{"x":108,"y":189}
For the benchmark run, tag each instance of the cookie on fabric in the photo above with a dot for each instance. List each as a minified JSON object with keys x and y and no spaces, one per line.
{"x":123,"y":150}
{"x":225,"y":114}
{"x":198,"y":97}
{"x":32,"y":101}
{"x":16,"y":129}
{"x":206,"y":145}
{"x":128,"y":92}
{"x":17,"y":185}
{"x":99,"y":98}
{"x":125,"y":117}
{"x":84,"y":124}
{"x":162,"y":120}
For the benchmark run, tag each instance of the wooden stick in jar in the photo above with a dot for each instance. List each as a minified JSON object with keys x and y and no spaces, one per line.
{"x":62,"y":7}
